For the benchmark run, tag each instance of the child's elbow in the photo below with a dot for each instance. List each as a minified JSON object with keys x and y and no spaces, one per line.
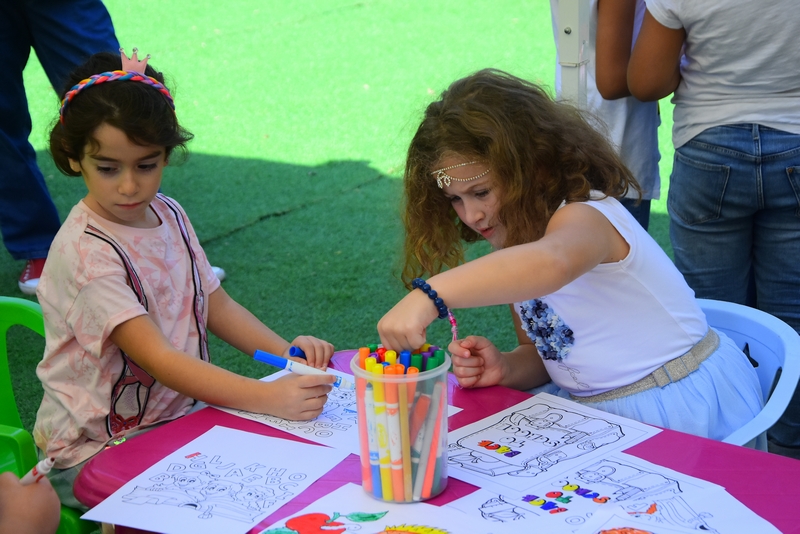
{"x":650,"y":86}
{"x":645,"y":90}
{"x":612,"y":89}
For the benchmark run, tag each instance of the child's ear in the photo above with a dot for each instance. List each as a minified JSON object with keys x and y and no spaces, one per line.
{"x":74,"y":164}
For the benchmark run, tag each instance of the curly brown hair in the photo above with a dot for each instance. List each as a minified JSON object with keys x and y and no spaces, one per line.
{"x":135,"y":108}
{"x":541,"y":153}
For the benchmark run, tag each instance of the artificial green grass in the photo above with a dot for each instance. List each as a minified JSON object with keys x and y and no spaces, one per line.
{"x":302,"y":113}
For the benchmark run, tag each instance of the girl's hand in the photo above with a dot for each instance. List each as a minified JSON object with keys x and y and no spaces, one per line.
{"x":298,"y":397}
{"x":477,"y":362}
{"x":403,"y":327}
{"x":318,"y":351}
{"x":30,"y":509}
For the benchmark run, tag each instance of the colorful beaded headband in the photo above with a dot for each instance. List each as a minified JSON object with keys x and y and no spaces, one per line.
{"x":442,"y":178}
{"x":132,"y":70}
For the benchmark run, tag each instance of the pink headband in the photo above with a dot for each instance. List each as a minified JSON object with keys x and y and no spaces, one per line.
{"x":132,"y":71}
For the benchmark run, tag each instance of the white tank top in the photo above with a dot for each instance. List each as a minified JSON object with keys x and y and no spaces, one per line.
{"x":618,"y":322}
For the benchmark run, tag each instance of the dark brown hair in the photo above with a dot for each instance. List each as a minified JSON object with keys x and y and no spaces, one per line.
{"x":139,"y":110}
{"x":541,"y":153}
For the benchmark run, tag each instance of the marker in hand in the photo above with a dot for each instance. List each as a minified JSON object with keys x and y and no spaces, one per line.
{"x":39,"y":470}
{"x":299,"y":368}
{"x":297,"y":352}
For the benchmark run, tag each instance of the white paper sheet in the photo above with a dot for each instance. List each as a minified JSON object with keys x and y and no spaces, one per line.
{"x":513,"y":450}
{"x":643,"y":491}
{"x":226,"y":480}
{"x":350,"y":509}
{"x":615,"y":519}
{"x":336,"y":426}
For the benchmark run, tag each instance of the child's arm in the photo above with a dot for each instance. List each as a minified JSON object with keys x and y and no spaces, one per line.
{"x":293,"y":397}
{"x":235,"y":325}
{"x":613,"y":47}
{"x":654,"y":67}
{"x":33,"y":508}
{"x":478,"y":363}
{"x":578,"y":238}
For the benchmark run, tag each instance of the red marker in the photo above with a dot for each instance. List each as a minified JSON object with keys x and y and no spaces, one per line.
{"x":39,"y":470}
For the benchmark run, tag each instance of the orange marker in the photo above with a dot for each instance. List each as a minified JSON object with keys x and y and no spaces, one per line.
{"x":427,"y":484}
{"x":363,"y":436}
{"x":363,"y":354}
{"x":412,"y":385}
{"x":405,"y":436}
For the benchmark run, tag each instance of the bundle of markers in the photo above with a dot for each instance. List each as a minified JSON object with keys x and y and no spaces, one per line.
{"x":402,"y":421}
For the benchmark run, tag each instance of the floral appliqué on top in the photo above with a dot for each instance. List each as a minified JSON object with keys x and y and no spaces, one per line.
{"x":552,"y":337}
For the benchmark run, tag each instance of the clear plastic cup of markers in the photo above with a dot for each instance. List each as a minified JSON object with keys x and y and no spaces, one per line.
{"x":402,"y":423}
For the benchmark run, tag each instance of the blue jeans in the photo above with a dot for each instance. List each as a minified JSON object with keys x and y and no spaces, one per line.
{"x":734,"y":206}
{"x":63,"y":33}
{"x":640,"y":211}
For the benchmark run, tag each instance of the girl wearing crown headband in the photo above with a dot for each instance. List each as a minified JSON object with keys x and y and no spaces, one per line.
{"x":127,"y":292}
{"x":601,"y":314}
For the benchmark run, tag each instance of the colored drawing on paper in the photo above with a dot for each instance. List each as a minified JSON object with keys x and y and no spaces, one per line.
{"x":534,"y":440}
{"x":614,"y":521}
{"x":649,"y":495}
{"x":315,"y":523}
{"x":349,"y":510}
{"x":624,"y":530}
{"x":224,"y":481}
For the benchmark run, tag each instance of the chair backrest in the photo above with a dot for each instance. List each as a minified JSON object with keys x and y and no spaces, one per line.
{"x":775,"y":348}
{"x":14,"y":311}
{"x":17,"y":451}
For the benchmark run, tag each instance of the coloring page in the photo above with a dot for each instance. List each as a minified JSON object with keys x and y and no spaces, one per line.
{"x":224,"y":481}
{"x":336,"y":426}
{"x":651,"y":494}
{"x":350,"y":510}
{"x":513,"y":450}
{"x":614,"y":520}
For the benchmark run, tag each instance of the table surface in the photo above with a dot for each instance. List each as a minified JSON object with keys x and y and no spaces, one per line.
{"x":760,"y":480}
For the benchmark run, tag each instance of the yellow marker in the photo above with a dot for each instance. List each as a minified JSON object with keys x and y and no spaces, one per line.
{"x":402,"y":390}
{"x":390,"y":356}
{"x":381,"y":427}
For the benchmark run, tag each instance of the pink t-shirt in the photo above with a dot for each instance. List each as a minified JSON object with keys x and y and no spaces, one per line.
{"x":85,"y":292}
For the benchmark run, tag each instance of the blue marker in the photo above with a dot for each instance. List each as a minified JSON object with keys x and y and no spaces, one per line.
{"x":299,"y":368}
{"x":297,"y":352}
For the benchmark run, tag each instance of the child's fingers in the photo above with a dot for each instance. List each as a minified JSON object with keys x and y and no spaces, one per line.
{"x":468,"y":381}
{"x":461,"y":347}
{"x":318,"y":352}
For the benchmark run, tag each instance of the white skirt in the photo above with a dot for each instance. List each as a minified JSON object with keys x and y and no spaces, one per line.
{"x":712,"y":402}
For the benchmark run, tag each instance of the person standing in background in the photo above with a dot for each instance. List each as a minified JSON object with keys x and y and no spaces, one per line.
{"x":63,"y":33}
{"x":734,"y":194}
{"x":630,"y":124}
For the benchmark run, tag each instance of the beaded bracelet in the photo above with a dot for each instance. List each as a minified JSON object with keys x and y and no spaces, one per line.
{"x":419,"y":283}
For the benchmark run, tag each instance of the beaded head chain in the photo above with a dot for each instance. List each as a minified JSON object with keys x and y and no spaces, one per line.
{"x":442,"y":178}
{"x":132,"y":70}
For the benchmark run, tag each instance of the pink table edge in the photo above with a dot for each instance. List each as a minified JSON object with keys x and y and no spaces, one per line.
{"x":755,"y":478}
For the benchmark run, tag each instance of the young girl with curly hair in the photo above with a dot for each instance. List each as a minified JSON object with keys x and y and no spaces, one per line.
{"x":602,"y":315}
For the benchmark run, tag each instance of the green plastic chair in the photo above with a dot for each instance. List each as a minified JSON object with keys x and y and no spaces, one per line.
{"x":17,"y":450}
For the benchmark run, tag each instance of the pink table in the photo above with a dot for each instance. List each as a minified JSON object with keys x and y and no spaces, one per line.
{"x":760,"y":480}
